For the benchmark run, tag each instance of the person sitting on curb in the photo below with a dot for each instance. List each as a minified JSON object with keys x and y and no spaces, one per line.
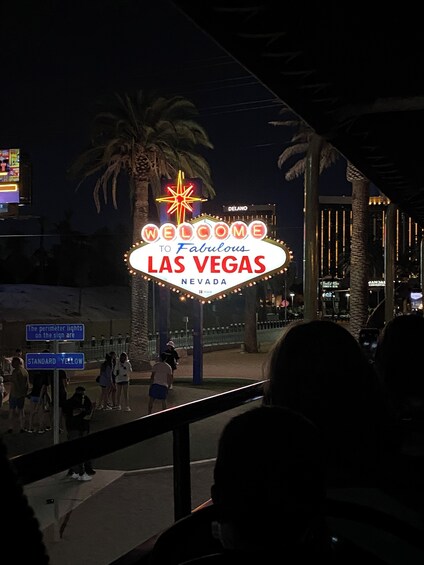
{"x":78,"y":411}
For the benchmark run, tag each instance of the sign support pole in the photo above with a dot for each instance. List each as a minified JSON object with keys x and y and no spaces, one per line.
{"x":44,"y":361}
{"x":197,"y":342}
{"x":165,"y":301}
{"x":56,"y":399}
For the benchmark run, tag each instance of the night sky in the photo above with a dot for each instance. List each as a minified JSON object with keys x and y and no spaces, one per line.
{"x":61,"y":59}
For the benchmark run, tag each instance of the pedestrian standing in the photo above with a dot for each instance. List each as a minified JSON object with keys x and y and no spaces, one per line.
{"x":111,"y":398}
{"x":122,"y":378}
{"x":172,"y":358}
{"x":2,"y":391}
{"x":106,"y":382}
{"x":19,"y":386}
{"x":160,"y":381}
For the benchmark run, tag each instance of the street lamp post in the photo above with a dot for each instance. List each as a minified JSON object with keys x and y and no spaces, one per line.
{"x":347,"y":300}
{"x":292,"y":296}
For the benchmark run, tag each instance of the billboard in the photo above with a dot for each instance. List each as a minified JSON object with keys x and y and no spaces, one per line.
{"x":9,"y":176}
{"x":207,"y":258}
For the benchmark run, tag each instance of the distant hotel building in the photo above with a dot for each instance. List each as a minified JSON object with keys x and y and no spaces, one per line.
{"x":335,"y":231}
{"x":249,"y":212}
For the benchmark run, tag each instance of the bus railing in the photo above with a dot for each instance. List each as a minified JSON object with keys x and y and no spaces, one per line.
{"x":43,"y":463}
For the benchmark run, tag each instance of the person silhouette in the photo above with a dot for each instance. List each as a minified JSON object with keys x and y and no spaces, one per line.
{"x":396,"y":363}
{"x":172,"y":358}
{"x":270,"y":487}
{"x":18,"y":518}
{"x":318,"y":368}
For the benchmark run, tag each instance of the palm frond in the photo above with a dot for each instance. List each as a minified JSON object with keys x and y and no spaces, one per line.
{"x":290,"y":152}
{"x":299,"y":144}
{"x":143,"y":133}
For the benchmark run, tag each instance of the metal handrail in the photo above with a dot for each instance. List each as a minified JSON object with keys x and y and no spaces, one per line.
{"x":95,"y":347}
{"x":43,"y":463}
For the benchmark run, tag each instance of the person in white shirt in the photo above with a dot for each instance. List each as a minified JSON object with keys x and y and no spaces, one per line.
{"x":160,"y":381}
{"x":123,"y":369}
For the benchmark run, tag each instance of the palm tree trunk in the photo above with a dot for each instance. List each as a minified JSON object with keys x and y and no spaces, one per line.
{"x":250,"y":331}
{"x":138,"y":349}
{"x":389,"y":262}
{"x":358,"y":256}
{"x":310,"y":239}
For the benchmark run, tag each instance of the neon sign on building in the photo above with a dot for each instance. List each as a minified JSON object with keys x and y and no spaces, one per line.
{"x":9,"y":176}
{"x":205,"y":258}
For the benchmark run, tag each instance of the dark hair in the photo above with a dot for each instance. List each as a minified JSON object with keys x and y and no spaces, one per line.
{"x":269,"y":475}
{"x":397,"y":351}
{"x":107,"y":362}
{"x":319,"y":369}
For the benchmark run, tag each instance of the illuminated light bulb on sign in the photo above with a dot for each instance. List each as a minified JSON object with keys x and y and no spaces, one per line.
{"x":203,"y":231}
{"x":180,"y":197}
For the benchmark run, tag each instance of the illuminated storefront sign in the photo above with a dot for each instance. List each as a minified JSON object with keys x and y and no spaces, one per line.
{"x":330,"y":284}
{"x":9,"y":176}
{"x":376,"y":283}
{"x":207,"y":258}
{"x":9,"y":193}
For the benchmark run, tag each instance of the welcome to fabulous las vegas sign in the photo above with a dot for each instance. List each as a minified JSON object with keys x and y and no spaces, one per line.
{"x":207,"y":258}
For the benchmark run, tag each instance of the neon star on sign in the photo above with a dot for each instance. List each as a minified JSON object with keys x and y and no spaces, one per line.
{"x":180,"y":198}
{"x":207,"y":258}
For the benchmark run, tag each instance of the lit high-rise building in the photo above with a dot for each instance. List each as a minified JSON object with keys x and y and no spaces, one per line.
{"x":249,"y":212}
{"x":335,"y":230}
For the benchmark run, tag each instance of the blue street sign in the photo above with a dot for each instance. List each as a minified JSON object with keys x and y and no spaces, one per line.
{"x":44,"y":361}
{"x":55,"y":332}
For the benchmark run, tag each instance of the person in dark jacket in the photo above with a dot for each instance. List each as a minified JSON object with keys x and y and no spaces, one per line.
{"x":78,"y":410}
{"x":172,"y":358}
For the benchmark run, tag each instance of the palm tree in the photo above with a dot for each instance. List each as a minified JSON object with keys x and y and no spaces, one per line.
{"x":360,"y":197}
{"x":299,"y":145}
{"x":250,"y":327}
{"x":143,"y":138}
{"x":358,"y":250}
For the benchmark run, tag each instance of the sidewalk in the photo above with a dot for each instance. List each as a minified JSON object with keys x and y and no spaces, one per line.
{"x":131,"y":496}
